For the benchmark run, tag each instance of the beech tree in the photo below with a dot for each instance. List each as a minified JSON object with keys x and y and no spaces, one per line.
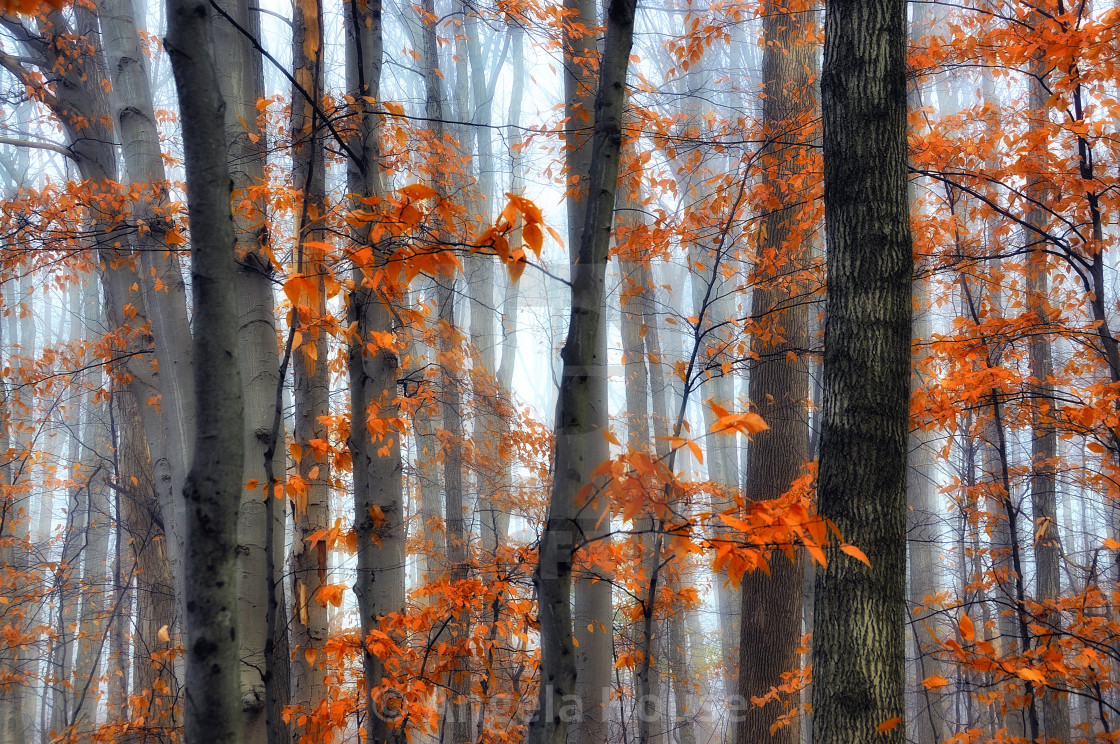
{"x":581,"y":415}
{"x":212,"y":707}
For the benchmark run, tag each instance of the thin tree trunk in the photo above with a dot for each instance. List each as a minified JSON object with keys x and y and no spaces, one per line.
{"x":1044,"y":438}
{"x":378,"y":485}
{"x":152,"y":661}
{"x":12,"y":727}
{"x":922,"y":545}
{"x":312,"y":384}
{"x":212,"y":709}
{"x":90,"y":640}
{"x":770,"y":630}
{"x":264,"y":643}
{"x":581,"y":416}
{"x":69,"y":571}
{"x":592,"y":611}
{"x":496,"y":523}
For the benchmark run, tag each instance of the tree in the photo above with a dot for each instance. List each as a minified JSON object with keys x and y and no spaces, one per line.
{"x":858,"y":630}
{"x":580,"y":413}
{"x":373,"y":368}
{"x":212,"y":709}
{"x":779,"y":382}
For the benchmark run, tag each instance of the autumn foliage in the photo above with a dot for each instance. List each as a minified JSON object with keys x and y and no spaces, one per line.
{"x":1015,"y":193}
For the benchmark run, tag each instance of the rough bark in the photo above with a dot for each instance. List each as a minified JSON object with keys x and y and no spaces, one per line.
{"x":770,"y":627}
{"x":581,"y":415}
{"x":212,"y":491}
{"x":1044,"y":438}
{"x":858,"y":638}
{"x":152,"y":666}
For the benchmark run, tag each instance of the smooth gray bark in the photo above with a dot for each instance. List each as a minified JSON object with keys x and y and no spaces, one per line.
{"x":378,"y":484}
{"x":260,"y":534}
{"x":581,"y":416}
{"x":212,"y":491}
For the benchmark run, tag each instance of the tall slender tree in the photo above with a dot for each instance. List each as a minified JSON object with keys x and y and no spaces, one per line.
{"x":581,"y":416}
{"x":373,"y":367}
{"x":212,"y":708}
{"x":770,"y":627}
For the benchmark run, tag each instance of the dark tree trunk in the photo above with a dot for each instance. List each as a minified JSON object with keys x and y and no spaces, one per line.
{"x":212,"y":709}
{"x":858,"y":639}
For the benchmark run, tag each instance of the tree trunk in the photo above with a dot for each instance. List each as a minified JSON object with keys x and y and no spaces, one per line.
{"x":496,"y":523}
{"x":312,"y":384}
{"x":152,"y":663}
{"x":170,"y":427}
{"x":858,"y":638}
{"x":593,"y":617}
{"x":637,"y":417}
{"x":12,"y":726}
{"x":581,"y":416}
{"x":212,"y":707}
{"x":90,"y":639}
{"x":1044,"y":438}
{"x":770,"y":629}
{"x":264,"y":643}
{"x":378,"y":486}
{"x":922,"y":545}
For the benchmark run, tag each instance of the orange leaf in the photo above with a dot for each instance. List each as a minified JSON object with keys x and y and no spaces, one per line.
{"x":164,"y":635}
{"x":817,"y":554}
{"x":968,"y":632}
{"x":517,"y":266}
{"x":418,"y":191}
{"x":856,"y":553}
{"x":934,"y":682}
{"x":888,"y":724}
{"x":1111,"y":544}
{"x":533,"y":237}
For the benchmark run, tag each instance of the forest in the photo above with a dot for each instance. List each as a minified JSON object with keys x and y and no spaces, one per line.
{"x":559,"y":372}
